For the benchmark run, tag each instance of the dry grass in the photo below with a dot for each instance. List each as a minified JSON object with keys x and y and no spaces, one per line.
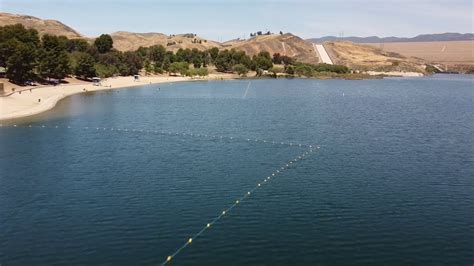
{"x":129,"y":41}
{"x":52,"y":27}
{"x":286,"y":44}
{"x":365,"y":57}
{"x":451,"y":53}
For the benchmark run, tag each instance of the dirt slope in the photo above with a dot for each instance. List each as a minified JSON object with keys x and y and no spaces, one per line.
{"x":52,"y":27}
{"x":286,"y":44}
{"x":127,"y":41}
{"x":365,"y":57}
{"x":450,"y":52}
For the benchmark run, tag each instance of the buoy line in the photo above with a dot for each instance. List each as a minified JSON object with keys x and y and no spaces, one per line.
{"x":169,"y":133}
{"x":207,"y":226}
{"x":226,"y":211}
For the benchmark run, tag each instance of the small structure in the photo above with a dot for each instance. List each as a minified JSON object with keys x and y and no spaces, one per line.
{"x":2,"y":88}
{"x":136,"y":77}
{"x":96,"y":81}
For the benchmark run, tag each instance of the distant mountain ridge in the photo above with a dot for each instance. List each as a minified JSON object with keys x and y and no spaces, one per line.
{"x":420,"y":38}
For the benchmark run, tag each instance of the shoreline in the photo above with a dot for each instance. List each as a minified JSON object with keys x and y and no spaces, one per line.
{"x":32,"y":101}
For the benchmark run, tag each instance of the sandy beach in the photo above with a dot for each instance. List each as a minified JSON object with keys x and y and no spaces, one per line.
{"x":40,"y":99}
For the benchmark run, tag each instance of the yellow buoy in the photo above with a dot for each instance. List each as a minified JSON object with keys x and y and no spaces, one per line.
{"x":169,"y":258}
{"x":223,"y":212}
{"x":258,"y":184}
{"x":190,"y":240}
{"x":208,"y":225}
{"x":236,"y":202}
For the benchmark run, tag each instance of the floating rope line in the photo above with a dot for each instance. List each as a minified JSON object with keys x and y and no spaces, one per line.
{"x":226,"y":211}
{"x":208,"y":225}
{"x":169,"y":133}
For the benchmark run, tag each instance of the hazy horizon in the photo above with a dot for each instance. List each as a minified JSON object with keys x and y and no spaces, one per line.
{"x":221,"y":21}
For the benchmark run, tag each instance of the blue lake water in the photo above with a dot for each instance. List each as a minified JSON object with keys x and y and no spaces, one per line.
{"x":392,"y":182}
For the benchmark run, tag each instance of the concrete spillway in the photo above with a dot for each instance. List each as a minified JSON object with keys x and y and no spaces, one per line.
{"x":322,"y":53}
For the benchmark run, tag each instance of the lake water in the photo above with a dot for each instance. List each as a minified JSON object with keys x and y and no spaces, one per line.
{"x":392,"y":182}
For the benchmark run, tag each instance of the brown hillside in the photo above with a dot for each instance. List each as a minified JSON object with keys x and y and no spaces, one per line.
{"x":448,"y":52}
{"x":365,"y":57}
{"x":127,"y":41}
{"x":52,"y":27}
{"x":286,"y":44}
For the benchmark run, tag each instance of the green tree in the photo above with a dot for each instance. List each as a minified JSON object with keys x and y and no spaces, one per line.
{"x":179,"y":67}
{"x":304,"y":70}
{"x":289,"y":70}
{"x":263,"y":60}
{"x":11,"y":36}
{"x":166,"y":63}
{"x":104,"y":43}
{"x":21,"y":64}
{"x":132,"y":63}
{"x":105,"y":71}
{"x":53,"y":58}
{"x":277,"y":58}
{"x":241,"y":69}
{"x":85,"y":66}
{"x":77,"y":45}
{"x":157,"y":53}
{"x":213,"y":52}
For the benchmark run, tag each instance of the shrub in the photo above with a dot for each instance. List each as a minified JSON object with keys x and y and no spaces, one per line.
{"x":241,"y":69}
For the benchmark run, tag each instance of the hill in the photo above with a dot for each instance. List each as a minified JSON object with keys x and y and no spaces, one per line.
{"x":47,"y":26}
{"x":129,"y":41}
{"x":447,"y":53}
{"x":365,"y":57}
{"x":285,"y":44}
{"x":420,"y":38}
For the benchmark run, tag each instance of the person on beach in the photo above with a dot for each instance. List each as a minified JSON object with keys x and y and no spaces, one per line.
{"x":39,"y":100}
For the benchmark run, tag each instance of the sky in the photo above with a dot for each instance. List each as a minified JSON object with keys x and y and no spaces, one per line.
{"x":223,"y":20}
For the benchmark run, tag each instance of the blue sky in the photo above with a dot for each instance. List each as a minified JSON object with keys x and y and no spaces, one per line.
{"x":227,"y":19}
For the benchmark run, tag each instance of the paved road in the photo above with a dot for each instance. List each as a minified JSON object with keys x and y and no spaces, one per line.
{"x":322,"y":53}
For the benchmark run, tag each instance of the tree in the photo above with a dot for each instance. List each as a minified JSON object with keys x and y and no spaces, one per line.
{"x":77,"y":45}
{"x":131,"y":64}
{"x":11,"y":36}
{"x":7,"y":49}
{"x":21,"y":64}
{"x":156,"y":54}
{"x":166,"y":63}
{"x":179,"y":67}
{"x":304,"y":70}
{"x":277,"y":59}
{"x":263,"y":60}
{"x":53,"y":58}
{"x":105,"y":71}
{"x":289,"y":70}
{"x":85,"y":66}
{"x":241,"y":69}
{"x":197,"y":62}
{"x":213,"y":52}
{"x":104,"y":43}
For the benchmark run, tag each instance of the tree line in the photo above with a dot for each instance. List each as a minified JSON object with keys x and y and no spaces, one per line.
{"x":28,"y":57}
